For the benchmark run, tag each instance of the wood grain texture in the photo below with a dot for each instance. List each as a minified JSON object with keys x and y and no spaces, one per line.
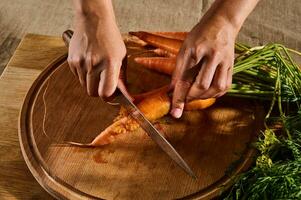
{"x":16,"y":182}
{"x":271,"y":21}
{"x":215,"y":142}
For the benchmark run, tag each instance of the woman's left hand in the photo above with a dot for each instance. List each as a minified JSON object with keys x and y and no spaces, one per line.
{"x":210,"y":44}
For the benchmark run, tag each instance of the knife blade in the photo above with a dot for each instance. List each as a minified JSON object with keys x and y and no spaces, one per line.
{"x":125,"y":100}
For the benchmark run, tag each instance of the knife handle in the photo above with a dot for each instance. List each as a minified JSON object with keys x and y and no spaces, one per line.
{"x":67,"y":35}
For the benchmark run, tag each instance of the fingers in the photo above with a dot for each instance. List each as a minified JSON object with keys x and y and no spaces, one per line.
{"x":99,"y":78}
{"x":72,"y":68}
{"x":93,"y":79}
{"x":179,"y":96}
{"x":216,"y":88}
{"x":203,"y":81}
{"x":229,"y":79}
{"x":77,"y":67}
{"x":180,"y":83}
{"x":109,"y":79}
{"x":220,"y":80}
{"x":225,"y":85}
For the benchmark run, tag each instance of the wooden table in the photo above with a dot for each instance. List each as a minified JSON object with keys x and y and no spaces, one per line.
{"x":31,"y":57}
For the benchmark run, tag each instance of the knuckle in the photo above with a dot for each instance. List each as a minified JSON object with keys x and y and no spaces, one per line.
{"x":220,"y":87}
{"x":203,"y":85}
{"x":216,"y":54}
{"x":94,"y":60}
{"x":112,"y":61}
{"x":200,"y":50}
{"x":191,"y":50}
{"x":75,"y":61}
{"x":185,"y":83}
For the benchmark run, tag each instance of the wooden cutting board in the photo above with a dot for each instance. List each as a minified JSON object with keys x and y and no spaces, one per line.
{"x":214,"y":142}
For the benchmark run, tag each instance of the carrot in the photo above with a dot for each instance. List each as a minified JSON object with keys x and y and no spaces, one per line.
{"x":139,"y":97}
{"x":153,"y":107}
{"x":171,"y":45}
{"x":160,"y":64}
{"x":162,"y":52}
{"x":133,"y":40}
{"x":199,"y":104}
{"x":172,"y":35}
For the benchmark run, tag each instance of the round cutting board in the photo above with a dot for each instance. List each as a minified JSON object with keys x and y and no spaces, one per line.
{"x":215,"y":142}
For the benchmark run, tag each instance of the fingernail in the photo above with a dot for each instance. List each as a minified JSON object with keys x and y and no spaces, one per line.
{"x":176,"y":112}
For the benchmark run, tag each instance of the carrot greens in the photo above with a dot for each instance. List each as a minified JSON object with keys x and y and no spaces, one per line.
{"x":269,"y":73}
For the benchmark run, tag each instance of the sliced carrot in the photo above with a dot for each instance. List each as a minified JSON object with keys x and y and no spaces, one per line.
{"x":160,"y":64}
{"x":172,"y":35}
{"x":162,"y":52}
{"x":154,"y":107}
{"x":171,"y":45}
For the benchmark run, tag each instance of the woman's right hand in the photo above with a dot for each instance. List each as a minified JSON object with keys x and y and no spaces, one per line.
{"x":96,"y":49}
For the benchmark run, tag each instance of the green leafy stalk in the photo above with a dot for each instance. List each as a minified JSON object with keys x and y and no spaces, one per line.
{"x":269,"y":73}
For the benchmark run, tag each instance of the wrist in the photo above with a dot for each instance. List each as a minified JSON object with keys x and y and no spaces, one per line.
{"x":232,"y":12}
{"x":232,"y":24}
{"x":234,"y":21}
{"x":93,"y":10}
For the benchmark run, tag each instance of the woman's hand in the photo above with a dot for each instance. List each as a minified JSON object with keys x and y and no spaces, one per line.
{"x":210,"y":45}
{"x":96,"y":49}
{"x":210,"y":48}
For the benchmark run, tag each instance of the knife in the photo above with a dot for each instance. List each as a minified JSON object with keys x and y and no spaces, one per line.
{"x":123,"y":98}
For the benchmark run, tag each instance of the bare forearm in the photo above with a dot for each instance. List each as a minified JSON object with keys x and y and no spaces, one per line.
{"x":100,"y":9}
{"x":233,"y":11}
{"x":96,"y":48}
